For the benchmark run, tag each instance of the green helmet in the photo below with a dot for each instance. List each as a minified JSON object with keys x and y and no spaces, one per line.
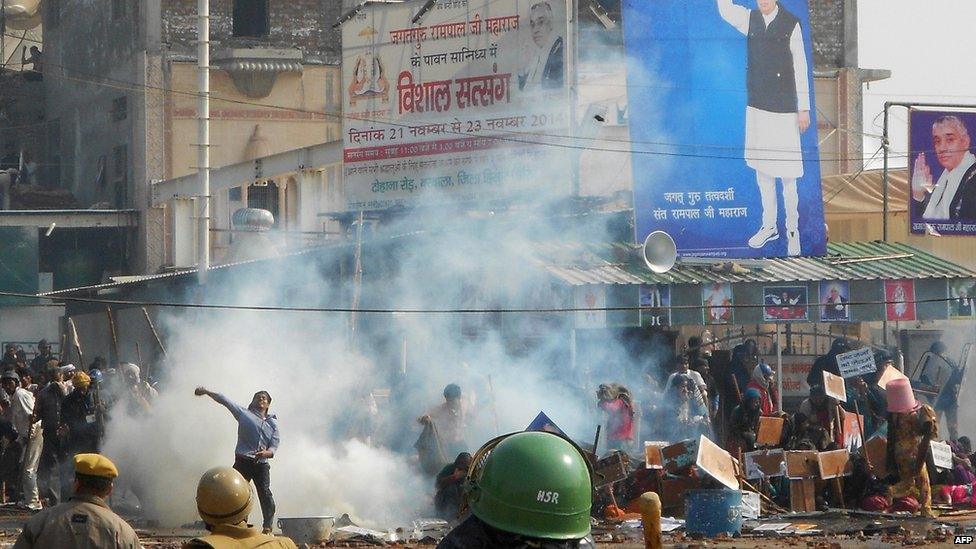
{"x":535,"y":484}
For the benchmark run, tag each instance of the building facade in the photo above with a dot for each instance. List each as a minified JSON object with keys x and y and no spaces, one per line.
{"x":120,"y":94}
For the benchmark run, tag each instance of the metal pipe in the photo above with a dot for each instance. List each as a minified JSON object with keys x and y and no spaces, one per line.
{"x":884,"y":177}
{"x":203,"y":137}
{"x":779,"y":372}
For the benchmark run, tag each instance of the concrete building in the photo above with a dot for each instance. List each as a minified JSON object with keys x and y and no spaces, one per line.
{"x":120,"y":95}
{"x":304,"y":208}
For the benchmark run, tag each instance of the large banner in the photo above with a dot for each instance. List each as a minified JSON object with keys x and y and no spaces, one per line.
{"x":455,"y":106}
{"x":943,"y":168}
{"x":724,"y":127}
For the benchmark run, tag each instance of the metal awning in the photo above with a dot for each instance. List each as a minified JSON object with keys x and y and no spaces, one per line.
{"x":580,"y":264}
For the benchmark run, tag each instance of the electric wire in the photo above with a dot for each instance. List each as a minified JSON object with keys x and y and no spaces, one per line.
{"x":137,"y":87}
{"x":433,"y":311}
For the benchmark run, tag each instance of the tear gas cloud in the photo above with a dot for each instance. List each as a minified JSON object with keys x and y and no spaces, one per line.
{"x":321,"y":375}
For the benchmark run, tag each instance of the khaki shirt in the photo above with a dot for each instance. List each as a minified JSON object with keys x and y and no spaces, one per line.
{"x":239,"y":536}
{"x":80,"y":523}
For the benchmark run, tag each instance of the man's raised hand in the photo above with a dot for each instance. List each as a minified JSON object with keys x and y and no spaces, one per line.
{"x":921,"y":178}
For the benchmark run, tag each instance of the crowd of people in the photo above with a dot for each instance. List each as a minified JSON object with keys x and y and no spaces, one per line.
{"x":52,"y":411}
{"x":696,"y":395}
{"x":728,"y":408}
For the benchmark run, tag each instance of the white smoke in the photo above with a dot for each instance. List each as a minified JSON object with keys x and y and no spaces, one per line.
{"x":320,"y":374}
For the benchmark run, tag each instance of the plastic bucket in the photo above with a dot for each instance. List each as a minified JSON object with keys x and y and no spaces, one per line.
{"x":712,"y":512}
{"x":307,"y":529}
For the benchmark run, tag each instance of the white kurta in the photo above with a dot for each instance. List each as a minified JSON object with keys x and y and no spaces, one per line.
{"x":772,"y":144}
{"x":946,"y":188}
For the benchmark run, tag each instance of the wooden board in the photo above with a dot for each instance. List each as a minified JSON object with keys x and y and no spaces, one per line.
{"x":770,"y":431}
{"x":801,"y":464}
{"x":803,"y":496}
{"x":765,"y":464}
{"x":716,"y":463}
{"x":653,"y":459}
{"x":835,"y":387}
{"x":834,"y":464}
{"x":610,"y":469}
{"x":889,"y":374}
{"x":680,"y":455}
{"x":876,"y":450}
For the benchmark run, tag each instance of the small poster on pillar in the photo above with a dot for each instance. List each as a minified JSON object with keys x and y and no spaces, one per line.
{"x":899,"y":300}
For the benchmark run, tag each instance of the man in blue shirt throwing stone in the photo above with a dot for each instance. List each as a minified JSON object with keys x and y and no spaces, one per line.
{"x":257,"y":442}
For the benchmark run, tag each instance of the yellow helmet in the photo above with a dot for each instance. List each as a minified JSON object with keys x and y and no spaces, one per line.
{"x":223,"y":496}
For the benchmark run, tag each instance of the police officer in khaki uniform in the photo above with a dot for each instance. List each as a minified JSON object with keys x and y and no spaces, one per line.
{"x":224,"y":500}
{"x":85,"y":520}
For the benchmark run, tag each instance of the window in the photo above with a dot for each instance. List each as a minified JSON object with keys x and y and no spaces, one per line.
{"x":120,"y":175}
{"x":251,"y":18}
{"x":264,"y":195}
{"x":120,"y":108}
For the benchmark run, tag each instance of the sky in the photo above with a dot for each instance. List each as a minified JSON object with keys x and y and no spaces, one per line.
{"x":930,"y":60}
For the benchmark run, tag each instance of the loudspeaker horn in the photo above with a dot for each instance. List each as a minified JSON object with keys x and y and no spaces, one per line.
{"x":659,"y":251}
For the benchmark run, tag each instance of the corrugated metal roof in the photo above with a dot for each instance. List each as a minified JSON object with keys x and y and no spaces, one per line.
{"x":579,"y":264}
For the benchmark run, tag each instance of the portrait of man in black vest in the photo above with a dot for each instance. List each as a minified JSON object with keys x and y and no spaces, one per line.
{"x":777,"y":111}
{"x":542,"y":66}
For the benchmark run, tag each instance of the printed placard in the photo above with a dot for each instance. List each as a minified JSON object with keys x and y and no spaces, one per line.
{"x":899,"y":300}
{"x":784,"y":303}
{"x":835,"y":296}
{"x":857,"y":362}
{"x":962,"y":299}
{"x":941,"y":454}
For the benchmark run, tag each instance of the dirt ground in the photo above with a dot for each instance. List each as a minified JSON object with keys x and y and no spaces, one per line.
{"x":906,"y":532}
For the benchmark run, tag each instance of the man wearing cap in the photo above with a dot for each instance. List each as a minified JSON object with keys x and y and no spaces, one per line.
{"x":79,"y":416}
{"x":43,"y":357}
{"x":257,"y":442}
{"x":911,"y":427}
{"x":136,"y":394}
{"x":85,"y":520}
{"x":25,"y":452}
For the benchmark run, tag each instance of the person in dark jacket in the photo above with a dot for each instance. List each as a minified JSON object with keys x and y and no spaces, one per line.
{"x":828,"y":362}
{"x":744,"y":425}
{"x":78,"y":414}
{"x":39,"y":363}
{"x":47,"y":408}
{"x":948,"y":402}
{"x":449,"y":487}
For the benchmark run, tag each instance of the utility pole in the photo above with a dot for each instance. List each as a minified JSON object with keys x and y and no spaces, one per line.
{"x":884,"y":176}
{"x":203,"y":137}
